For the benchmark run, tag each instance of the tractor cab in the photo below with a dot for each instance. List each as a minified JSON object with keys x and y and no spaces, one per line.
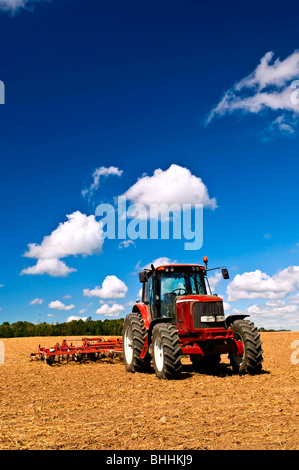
{"x":164,"y":285}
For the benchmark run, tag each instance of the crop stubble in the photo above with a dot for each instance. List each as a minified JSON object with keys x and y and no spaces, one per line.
{"x":98,"y":405}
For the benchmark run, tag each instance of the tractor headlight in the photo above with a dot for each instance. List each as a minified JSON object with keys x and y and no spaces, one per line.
{"x":220,"y":318}
{"x":207,"y":318}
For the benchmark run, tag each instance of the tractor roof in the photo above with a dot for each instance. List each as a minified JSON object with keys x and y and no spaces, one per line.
{"x":163,"y":266}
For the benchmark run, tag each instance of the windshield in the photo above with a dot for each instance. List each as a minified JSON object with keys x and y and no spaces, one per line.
{"x":181,"y":283}
{"x":175,"y":283}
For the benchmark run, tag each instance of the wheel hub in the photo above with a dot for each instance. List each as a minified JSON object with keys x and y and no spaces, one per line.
{"x":159,"y":354}
{"x":128,"y":345}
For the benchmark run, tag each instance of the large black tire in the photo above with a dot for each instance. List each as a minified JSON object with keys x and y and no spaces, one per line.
{"x":251,"y":361}
{"x":134,"y":334}
{"x":166,"y":351}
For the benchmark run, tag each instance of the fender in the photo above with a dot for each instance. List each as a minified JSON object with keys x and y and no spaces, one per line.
{"x":144,"y":311}
{"x":231,"y":318}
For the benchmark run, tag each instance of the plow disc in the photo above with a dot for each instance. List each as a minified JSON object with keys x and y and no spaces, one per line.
{"x":79,"y":349}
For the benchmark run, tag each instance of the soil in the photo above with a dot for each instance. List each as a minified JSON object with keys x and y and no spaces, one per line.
{"x":100,"y":406}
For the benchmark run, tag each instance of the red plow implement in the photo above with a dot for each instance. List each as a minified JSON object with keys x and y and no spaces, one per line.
{"x":80,"y":349}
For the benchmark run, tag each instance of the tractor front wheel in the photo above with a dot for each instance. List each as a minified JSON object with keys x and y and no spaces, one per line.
{"x":166,"y":351}
{"x":249,"y":357}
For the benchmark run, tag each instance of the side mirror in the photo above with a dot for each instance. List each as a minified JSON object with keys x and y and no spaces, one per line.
{"x":225,"y":273}
{"x":142,"y":276}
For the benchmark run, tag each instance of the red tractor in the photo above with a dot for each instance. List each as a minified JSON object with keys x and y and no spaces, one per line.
{"x":178,"y":317}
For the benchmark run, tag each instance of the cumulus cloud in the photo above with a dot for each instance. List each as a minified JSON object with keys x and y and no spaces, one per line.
{"x":98,"y":174}
{"x":113,"y":311}
{"x":112,"y":288}
{"x":271,"y":310}
{"x":36,"y":301}
{"x":274,"y":314}
{"x":256,"y":284}
{"x":176,"y":185}
{"x":268,"y":87}
{"x":51,"y":266}
{"x":79,"y":235}
{"x":56,"y":304}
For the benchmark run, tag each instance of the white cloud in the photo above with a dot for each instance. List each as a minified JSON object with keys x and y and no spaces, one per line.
{"x":1,"y":285}
{"x":176,"y":185}
{"x":112,"y":311}
{"x":277,"y":316}
{"x":73,"y":317}
{"x":83,"y":310}
{"x":226,"y":306}
{"x":282,"y":124}
{"x":256,"y":284}
{"x":268,"y":87}
{"x":163,"y":260}
{"x":270,"y":310}
{"x":56,"y":304}
{"x":79,"y":235}
{"x":214,"y":280}
{"x":36,"y":301}
{"x":112,"y":288}
{"x":98,"y":174}
{"x":53,"y":267}
{"x":15,"y":5}
{"x":126,"y":244}
{"x":294,"y":299}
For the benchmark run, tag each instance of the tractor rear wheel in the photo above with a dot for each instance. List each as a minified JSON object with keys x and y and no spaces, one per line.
{"x":166,"y":351}
{"x":134,"y":334}
{"x":249,"y":359}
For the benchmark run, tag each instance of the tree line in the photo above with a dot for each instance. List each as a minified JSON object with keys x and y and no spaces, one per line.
{"x":88,"y":327}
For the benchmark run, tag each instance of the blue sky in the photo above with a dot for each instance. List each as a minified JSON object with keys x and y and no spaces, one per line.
{"x":202,"y":88}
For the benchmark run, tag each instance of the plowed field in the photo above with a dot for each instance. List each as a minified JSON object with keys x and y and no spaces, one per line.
{"x":98,"y":405}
